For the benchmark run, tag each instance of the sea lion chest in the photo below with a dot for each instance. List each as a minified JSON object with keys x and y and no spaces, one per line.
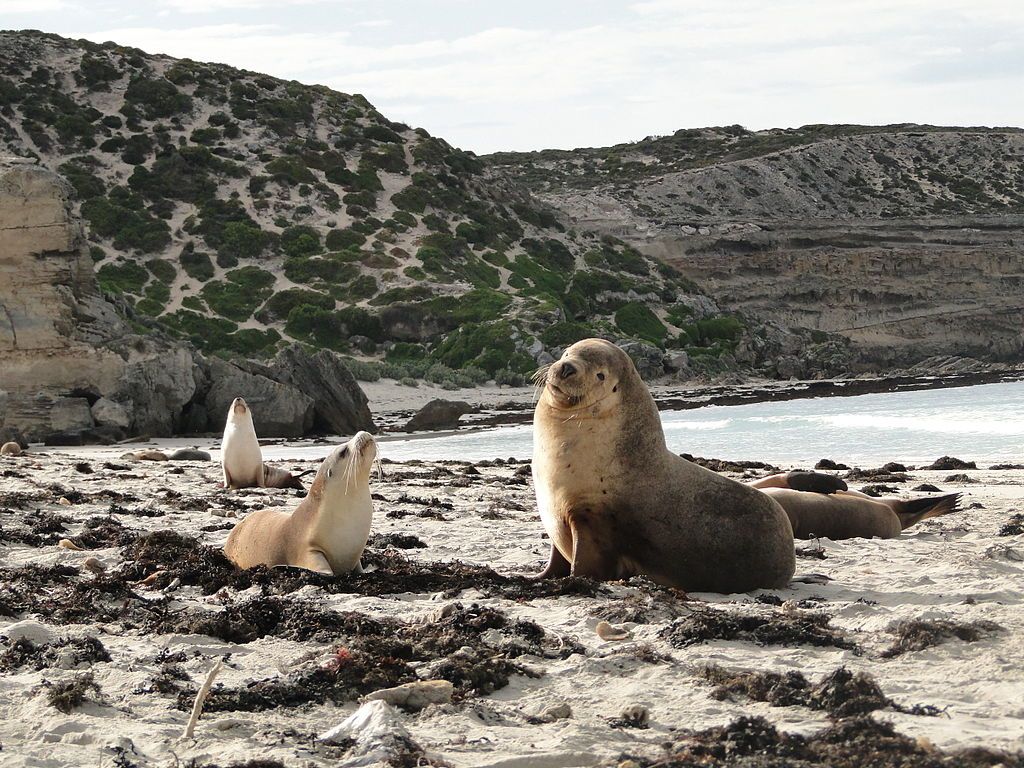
{"x":336,"y":524}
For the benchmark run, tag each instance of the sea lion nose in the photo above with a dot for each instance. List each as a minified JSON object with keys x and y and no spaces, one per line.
{"x":566,"y":369}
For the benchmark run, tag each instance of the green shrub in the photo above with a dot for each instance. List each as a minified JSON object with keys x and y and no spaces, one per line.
{"x":283,"y":302}
{"x":389,"y":158}
{"x":137,"y":149}
{"x":122,"y":277}
{"x":550,"y":254}
{"x":87,"y":184}
{"x":316,"y":325}
{"x":122,"y":218}
{"x":339,"y":239}
{"x":290,"y":170}
{"x":163,"y":270}
{"x":216,"y":335}
{"x":412,"y":198}
{"x":487,"y":346}
{"x":636,"y":319}
{"x":363,"y":198}
{"x":363,"y":287}
{"x":565,"y":333}
{"x":382,"y":133}
{"x":300,"y":240}
{"x":197,"y":265}
{"x":330,"y":269}
{"x":156,"y":97}
{"x":96,"y":73}
{"x":709,"y":332}
{"x":246,"y":289}
{"x":241,"y":240}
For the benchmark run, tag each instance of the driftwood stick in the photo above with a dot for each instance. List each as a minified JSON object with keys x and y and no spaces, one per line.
{"x":204,"y":691}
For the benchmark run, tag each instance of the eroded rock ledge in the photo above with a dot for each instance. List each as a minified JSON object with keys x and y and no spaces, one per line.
{"x":73,"y":369}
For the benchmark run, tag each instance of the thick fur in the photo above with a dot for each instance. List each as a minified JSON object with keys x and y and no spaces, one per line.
{"x":852,"y":515}
{"x":327,"y":531}
{"x":616,"y":502}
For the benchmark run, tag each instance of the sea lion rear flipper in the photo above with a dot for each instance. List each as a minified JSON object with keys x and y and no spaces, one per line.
{"x":558,"y":567}
{"x":916,"y":510}
{"x":811,"y":578}
{"x":814,"y":482}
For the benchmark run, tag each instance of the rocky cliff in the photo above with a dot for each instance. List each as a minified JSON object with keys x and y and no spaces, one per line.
{"x":904,"y":240}
{"x":72,"y":368}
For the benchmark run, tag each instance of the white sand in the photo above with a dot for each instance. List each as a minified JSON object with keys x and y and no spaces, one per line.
{"x":954,"y":567}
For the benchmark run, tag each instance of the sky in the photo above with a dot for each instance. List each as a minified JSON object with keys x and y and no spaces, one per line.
{"x":490,"y":75}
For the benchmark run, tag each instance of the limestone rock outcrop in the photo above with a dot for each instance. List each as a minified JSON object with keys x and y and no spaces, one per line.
{"x":73,"y":370}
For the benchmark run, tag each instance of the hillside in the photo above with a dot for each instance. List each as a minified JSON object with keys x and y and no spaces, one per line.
{"x":242,"y":211}
{"x":904,"y":240}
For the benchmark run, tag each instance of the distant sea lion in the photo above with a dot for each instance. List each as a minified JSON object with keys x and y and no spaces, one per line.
{"x":328,"y":530}
{"x":144,"y":455}
{"x":849,"y":514}
{"x":616,"y":502}
{"x":189,"y":454}
{"x":241,"y":457}
{"x":10,"y":449}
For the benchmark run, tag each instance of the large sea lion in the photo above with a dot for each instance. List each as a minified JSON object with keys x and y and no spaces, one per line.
{"x":616,"y":502}
{"x":241,"y":457}
{"x":328,"y":530}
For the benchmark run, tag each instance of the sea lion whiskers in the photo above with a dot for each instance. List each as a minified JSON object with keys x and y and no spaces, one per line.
{"x":540,"y":380}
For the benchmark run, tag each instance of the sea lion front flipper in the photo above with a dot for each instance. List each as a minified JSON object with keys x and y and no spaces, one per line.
{"x":314,"y":560}
{"x":589,"y":558}
{"x":814,"y":482}
{"x":558,"y":567}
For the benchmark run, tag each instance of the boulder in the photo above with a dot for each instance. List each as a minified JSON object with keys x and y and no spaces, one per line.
{"x":160,"y":378}
{"x":439,"y":414}
{"x":647,"y":358}
{"x":112,"y":414}
{"x":677,"y":361}
{"x":70,"y":414}
{"x":951,"y":462}
{"x":278,"y":410}
{"x":340,"y":407}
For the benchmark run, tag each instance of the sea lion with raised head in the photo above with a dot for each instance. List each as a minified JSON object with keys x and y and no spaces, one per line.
{"x":241,"y":457}
{"x":328,"y":530}
{"x":616,"y":502}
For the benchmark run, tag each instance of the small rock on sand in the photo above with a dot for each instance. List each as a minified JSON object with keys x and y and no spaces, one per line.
{"x":10,"y":449}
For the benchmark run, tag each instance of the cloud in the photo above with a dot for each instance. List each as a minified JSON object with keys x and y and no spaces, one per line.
{"x":217,"y":6}
{"x":32,"y":6}
{"x":658,"y":66}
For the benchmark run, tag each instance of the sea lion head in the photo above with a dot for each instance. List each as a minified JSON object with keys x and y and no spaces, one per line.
{"x":351,"y":461}
{"x":239,"y":409}
{"x":591,"y":375}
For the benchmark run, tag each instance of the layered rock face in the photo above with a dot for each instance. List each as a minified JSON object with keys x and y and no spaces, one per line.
{"x":904,"y":240}
{"x":900,"y":292}
{"x":73,"y":370}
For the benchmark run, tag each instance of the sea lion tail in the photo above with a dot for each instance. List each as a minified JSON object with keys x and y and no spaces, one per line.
{"x":916,"y":510}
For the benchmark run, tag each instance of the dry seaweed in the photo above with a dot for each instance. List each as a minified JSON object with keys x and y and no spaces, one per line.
{"x":918,"y":634}
{"x":753,"y":742}
{"x":841,"y":693}
{"x":775,"y":628}
{"x":1014,"y":527}
{"x":67,"y":653}
{"x":68,"y":695}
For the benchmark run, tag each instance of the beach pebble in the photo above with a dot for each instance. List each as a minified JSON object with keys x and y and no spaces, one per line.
{"x":560,"y":711}
{"x":608,"y":631}
{"x":31,"y":630}
{"x":94,"y":565}
{"x":10,"y":449}
{"x":416,"y":695}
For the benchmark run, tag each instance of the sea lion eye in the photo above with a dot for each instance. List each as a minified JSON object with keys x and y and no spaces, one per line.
{"x":328,"y":474}
{"x":600,"y":377}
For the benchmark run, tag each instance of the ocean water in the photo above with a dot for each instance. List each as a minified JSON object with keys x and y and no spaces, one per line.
{"x":983,"y":423}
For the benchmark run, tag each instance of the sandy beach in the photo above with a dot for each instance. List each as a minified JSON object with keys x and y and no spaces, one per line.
{"x":443,"y":598}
